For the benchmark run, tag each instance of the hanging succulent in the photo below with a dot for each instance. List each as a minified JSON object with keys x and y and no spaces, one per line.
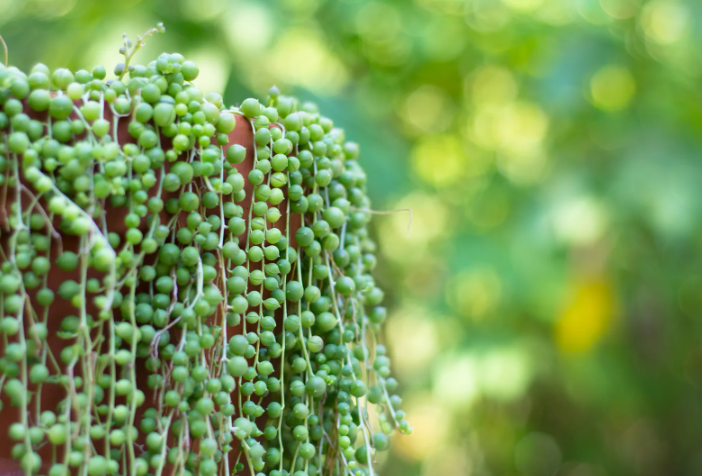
{"x":185,"y":287}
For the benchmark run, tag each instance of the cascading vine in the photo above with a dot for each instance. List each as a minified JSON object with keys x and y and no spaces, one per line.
{"x":175,"y":299}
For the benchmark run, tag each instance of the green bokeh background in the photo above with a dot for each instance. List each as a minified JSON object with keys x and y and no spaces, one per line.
{"x":546,"y":304}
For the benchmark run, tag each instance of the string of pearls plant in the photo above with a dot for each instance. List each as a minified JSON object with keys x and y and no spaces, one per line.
{"x":209,"y":322}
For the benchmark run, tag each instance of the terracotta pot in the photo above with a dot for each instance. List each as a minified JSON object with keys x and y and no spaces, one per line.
{"x":50,"y":396}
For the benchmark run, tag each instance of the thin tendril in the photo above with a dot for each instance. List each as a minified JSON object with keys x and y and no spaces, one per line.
{"x":4,"y":47}
{"x":388,"y":212}
{"x":140,"y":42}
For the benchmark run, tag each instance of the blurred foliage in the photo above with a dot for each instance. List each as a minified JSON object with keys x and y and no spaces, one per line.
{"x":548,"y":297}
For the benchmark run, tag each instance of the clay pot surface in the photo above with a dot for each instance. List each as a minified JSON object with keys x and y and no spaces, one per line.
{"x":51,"y":394}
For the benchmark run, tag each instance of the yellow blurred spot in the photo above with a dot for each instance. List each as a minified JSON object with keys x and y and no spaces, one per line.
{"x":585,"y":316}
{"x":413,"y":336}
{"x":473,"y":294}
{"x":301,"y":57}
{"x":492,"y":84}
{"x":665,"y":21}
{"x":620,"y":9}
{"x":612,"y":88}
{"x":427,"y":109}
{"x":429,"y":420}
{"x":439,"y":160}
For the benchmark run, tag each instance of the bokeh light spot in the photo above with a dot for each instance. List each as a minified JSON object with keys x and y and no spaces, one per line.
{"x":301,"y":7}
{"x":473,"y":294}
{"x":213,"y":72}
{"x":429,"y":420}
{"x":414,"y":339}
{"x":492,"y":84}
{"x":202,"y":10}
{"x":506,"y":372}
{"x":586,"y":316}
{"x":452,"y":461}
{"x":8,"y":10}
{"x":556,"y":12}
{"x":300,"y":57}
{"x":248,"y":27}
{"x":592,"y":11}
{"x":52,"y":8}
{"x":523,"y":126}
{"x":452,"y":7}
{"x":444,"y":38}
{"x":487,"y":15}
{"x":457,"y":381}
{"x":378,"y":22}
{"x":579,"y":221}
{"x":612,"y":88}
{"x":664,"y":21}
{"x":379,"y":25}
{"x":523,"y":5}
{"x":517,"y":127}
{"x":430,"y":220}
{"x":523,"y":167}
{"x":427,"y":109}
{"x":439,"y":160}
